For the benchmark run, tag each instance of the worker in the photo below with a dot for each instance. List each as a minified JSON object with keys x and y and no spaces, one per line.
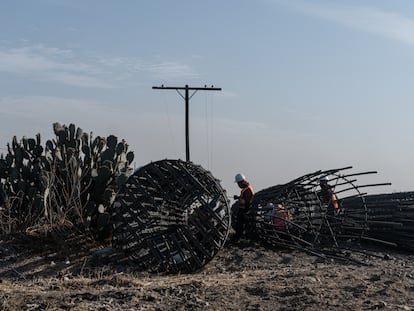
{"x":281,"y":217}
{"x":245,"y":200}
{"x":328,"y":195}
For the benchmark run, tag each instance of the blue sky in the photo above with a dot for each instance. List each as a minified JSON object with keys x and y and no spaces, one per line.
{"x":307,"y":85}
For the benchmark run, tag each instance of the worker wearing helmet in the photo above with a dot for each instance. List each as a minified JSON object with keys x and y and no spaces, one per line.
{"x":328,"y":195}
{"x":245,"y":200}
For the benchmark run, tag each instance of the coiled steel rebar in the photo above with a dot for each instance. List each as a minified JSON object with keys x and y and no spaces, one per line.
{"x":171,"y":216}
{"x":298,"y":215}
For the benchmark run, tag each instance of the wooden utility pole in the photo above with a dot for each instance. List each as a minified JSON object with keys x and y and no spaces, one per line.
{"x":187,"y":98}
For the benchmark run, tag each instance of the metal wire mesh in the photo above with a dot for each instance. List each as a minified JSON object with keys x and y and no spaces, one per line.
{"x":299,"y":215}
{"x":171,"y":216}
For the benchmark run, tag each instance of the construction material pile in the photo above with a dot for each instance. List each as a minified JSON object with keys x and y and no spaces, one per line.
{"x":171,"y":216}
{"x":389,"y":218}
{"x":327,"y":212}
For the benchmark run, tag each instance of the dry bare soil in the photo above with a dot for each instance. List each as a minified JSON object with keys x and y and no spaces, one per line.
{"x":68,"y":273}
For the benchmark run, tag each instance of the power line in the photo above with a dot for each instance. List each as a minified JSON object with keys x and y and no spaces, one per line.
{"x":187,"y":98}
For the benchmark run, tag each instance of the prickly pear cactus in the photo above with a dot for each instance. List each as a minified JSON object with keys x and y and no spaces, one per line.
{"x":72,"y":180}
{"x":21,"y":184}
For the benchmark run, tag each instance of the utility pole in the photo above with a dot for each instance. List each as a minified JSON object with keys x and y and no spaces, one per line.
{"x":187,"y":98}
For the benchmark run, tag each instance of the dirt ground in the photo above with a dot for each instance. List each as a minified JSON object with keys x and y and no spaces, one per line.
{"x":63,"y":273}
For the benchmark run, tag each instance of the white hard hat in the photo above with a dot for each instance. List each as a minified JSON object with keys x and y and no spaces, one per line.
{"x":324,"y":179}
{"x":239,"y":178}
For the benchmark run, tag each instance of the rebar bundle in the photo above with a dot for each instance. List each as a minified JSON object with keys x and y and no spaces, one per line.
{"x":324,"y":219}
{"x":389,"y":218}
{"x":171,"y":216}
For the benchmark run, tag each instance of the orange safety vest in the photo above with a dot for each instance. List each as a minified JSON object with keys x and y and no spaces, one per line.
{"x":334,"y":201}
{"x":242,"y":193}
{"x":330,"y":198}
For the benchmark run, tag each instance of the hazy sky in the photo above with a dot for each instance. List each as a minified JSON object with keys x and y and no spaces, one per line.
{"x":307,"y":85}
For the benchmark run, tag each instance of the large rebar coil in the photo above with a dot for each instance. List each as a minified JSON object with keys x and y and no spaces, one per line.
{"x":171,"y":216}
{"x":302,"y":215}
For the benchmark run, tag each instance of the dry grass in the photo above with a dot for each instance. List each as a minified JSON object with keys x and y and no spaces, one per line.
{"x":42,"y":275}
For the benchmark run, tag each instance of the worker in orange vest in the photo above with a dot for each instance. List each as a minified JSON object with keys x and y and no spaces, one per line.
{"x":245,"y":199}
{"x":328,"y":195}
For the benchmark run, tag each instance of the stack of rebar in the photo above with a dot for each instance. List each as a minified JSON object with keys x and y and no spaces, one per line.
{"x":171,"y":216}
{"x":299,"y":215}
{"x":389,"y":218}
